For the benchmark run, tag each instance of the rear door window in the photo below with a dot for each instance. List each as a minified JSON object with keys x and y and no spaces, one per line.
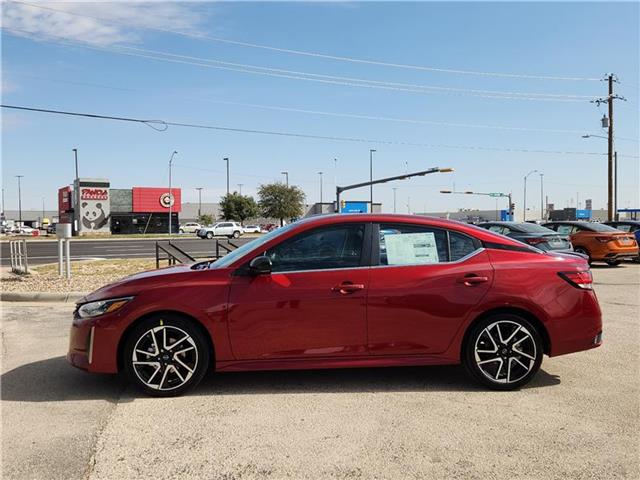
{"x":566,"y":229}
{"x":402,"y":244}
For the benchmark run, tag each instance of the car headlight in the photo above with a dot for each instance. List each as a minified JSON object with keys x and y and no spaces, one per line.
{"x":101,"y":307}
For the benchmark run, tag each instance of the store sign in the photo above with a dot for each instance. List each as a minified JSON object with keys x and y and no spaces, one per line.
{"x":167,"y":200}
{"x":94,"y":194}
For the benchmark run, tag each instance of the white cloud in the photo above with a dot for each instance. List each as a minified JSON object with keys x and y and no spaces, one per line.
{"x":103,"y":24}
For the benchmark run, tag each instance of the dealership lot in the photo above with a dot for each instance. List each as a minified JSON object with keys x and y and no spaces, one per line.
{"x":577,"y":419}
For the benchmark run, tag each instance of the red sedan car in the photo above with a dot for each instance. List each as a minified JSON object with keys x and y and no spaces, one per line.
{"x":344,"y":291}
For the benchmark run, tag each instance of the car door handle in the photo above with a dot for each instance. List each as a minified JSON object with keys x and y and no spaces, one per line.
{"x":472,"y":280}
{"x":347,"y":287}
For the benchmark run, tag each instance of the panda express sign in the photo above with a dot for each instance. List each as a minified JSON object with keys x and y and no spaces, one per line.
{"x":94,"y":210}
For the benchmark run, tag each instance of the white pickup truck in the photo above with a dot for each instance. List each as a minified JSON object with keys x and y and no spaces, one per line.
{"x":221,"y":229}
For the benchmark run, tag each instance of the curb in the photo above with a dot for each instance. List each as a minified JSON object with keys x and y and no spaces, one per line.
{"x":41,"y":297}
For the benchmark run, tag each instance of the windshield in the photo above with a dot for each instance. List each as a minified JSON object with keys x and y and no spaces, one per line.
{"x":532,"y":228}
{"x":229,"y":258}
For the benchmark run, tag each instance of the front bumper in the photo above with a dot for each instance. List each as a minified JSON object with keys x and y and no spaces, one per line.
{"x":93,"y":346}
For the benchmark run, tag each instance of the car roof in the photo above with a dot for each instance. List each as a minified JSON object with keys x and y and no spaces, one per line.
{"x":623,"y":222}
{"x":478,"y":232}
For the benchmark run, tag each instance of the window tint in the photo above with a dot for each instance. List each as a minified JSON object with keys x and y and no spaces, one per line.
{"x":566,"y":229}
{"x":414,"y":245}
{"x":460,"y":245}
{"x":497,"y":229}
{"x":324,"y":248}
{"x":623,"y":228}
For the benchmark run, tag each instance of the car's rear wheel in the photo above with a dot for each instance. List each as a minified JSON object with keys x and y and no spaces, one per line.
{"x":503,"y":352}
{"x":236,"y":234}
{"x":614,"y":263}
{"x":166,"y":355}
{"x":209,"y":235}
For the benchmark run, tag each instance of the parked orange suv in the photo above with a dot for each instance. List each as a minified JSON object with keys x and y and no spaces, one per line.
{"x":601,"y":243}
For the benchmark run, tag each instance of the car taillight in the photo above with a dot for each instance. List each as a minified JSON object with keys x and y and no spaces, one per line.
{"x":578,"y":278}
{"x":535,"y":241}
{"x":605,"y":239}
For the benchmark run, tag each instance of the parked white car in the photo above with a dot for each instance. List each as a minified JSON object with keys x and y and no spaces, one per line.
{"x":252,"y":229}
{"x":190,"y":227}
{"x":24,"y":230}
{"x":222,"y":229}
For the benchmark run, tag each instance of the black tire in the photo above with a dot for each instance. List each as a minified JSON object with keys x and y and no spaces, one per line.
{"x":163,"y":372}
{"x":478,"y":350}
{"x":209,"y":235}
{"x":614,"y":263}
{"x":584,"y":251}
{"x":236,"y":234}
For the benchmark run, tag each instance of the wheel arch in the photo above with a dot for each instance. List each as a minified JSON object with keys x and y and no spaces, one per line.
{"x":197,"y":323}
{"x":535,"y":321}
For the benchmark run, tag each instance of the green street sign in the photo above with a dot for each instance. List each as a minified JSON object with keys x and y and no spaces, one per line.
{"x":495,"y":194}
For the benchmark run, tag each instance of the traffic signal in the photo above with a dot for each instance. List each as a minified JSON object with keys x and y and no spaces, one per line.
{"x":512,"y":207}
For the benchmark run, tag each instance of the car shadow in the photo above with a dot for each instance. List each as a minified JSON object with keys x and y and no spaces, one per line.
{"x":53,"y":380}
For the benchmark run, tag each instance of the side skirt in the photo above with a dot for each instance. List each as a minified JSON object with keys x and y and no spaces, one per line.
{"x":333,"y":362}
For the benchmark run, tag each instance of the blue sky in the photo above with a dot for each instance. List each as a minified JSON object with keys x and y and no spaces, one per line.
{"x":584,"y":40}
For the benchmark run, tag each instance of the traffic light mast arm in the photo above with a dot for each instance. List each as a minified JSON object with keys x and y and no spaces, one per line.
{"x":339,"y":190}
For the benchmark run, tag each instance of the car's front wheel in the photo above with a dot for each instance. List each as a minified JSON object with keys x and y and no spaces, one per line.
{"x":209,"y":235}
{"x":236,"y":234}
{"x":503,"y":352}
{"x":166,"y":355}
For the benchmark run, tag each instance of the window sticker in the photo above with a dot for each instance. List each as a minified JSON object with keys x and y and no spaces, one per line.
{"x":411,"y":248}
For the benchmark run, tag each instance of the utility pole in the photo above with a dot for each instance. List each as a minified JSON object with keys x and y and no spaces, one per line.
{"x":76,"y":195}
{"x":19,"y":201}
{"x":199,"y":189}
{"x":615,"y":186}
{"x":320,"y":173}
{"x":542,"y":212}
{"x":42,"y":211}
{"x":371,"y":178}
{"x":226,"y":159}
{"x":524,"y":203}
{"x":240,"y":188}
{"x":286,"y":177}
{"x":611,"y":79}
{"x":170,"y":194}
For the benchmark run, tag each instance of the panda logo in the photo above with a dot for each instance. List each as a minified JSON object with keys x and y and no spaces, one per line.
{"x":93,"y":218}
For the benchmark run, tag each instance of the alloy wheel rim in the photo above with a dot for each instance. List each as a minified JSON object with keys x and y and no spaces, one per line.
{"x":165,"y":357}
{"x":505,"y":352}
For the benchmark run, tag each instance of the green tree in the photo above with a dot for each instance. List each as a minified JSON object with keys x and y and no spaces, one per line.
{"x":278,"y":200}
{"x":238,"y":207}
{"x":205,"y":219}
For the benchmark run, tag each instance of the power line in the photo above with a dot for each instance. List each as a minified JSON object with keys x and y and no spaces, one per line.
{"x":202,"y":36}
{"x":307,"y":76}
{"x":317,"y":112}
{"x":166,"y":124}
{"x":313,"y":77}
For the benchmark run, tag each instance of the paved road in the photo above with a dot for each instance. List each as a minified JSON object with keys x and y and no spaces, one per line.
{"x":46,"y":251}
{"x":578,"y":419}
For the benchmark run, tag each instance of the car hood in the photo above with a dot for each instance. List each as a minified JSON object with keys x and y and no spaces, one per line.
{"x":134,"y":284}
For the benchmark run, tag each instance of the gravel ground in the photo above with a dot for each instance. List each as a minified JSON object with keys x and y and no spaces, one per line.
{"x":87,"y":276}
{"x":578,"y":419}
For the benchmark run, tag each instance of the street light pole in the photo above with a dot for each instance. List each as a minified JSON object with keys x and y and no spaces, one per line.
{"x":394,"y":198}
{"x":19,"y":201}
{"x":286,"y":177}
{"x":170,"y":194}
{"x":199,"y":189}
{"x":226,"y":159}
{"x":240,"y":188}
{"x":320,"y":173}
{"x":371,"y":178}
{"x":615,"y":186}
{"x":542,"y":212}
{"x":524,"y":203}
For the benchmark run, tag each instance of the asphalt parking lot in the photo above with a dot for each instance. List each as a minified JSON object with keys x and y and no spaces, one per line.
{"x":578,"y":419}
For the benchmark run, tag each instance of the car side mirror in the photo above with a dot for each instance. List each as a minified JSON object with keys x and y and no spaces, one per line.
{"x":260,"y":266}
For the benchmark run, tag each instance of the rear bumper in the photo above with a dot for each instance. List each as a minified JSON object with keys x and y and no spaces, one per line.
{"x":579,"y":332}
